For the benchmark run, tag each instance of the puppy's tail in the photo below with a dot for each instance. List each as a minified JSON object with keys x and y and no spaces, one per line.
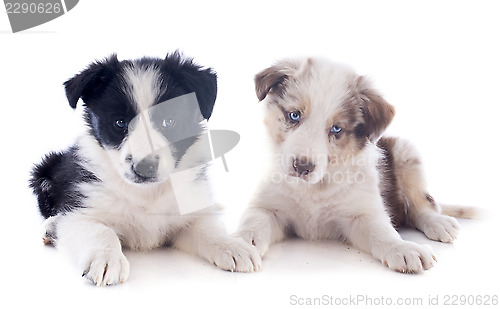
{"x":465,"y":212}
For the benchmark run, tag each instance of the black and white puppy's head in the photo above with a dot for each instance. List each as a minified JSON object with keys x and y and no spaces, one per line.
{"x":141,"y":111}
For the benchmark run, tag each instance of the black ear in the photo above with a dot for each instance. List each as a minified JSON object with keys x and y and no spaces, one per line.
{"x":204,"y":83}
{"x":194,"y":78}
{"x":91,"y":81}
{"x":377,"y":113}
{"x":273,"y":78}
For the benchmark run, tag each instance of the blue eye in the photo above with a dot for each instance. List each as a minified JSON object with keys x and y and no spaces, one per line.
{"x":294,"y":116}
{"x":168,"y":123}
{"x":335,"y":129}
{"x":120,"y":124}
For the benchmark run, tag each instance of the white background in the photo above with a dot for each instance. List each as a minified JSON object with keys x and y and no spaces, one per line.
{"x":436,"y":61}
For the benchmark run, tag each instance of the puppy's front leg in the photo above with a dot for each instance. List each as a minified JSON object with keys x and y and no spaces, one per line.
{"x":96,"y":247}
{"x":375,"y":234}
{"x":261,"y":228}
{"x":207,"y":237}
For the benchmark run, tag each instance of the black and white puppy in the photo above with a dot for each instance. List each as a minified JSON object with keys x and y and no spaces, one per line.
{"x":114,"y":187}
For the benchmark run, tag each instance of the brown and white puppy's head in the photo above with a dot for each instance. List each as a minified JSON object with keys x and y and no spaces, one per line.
{"x":319,"y":115}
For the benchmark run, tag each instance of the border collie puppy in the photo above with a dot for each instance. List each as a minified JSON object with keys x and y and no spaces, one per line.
{"x":335,"y":177}
{"x":115,"y":186}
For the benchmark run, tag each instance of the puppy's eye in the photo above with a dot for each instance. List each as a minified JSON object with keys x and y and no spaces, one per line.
{"x":168,"y":123}
{"x":336,"y":129}
{"x":294,"y":116}
{"x":120,"y":124}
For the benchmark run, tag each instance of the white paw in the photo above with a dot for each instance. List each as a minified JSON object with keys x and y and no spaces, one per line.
{"x":234,"y":254}
{"x":408,"y":257}
{"x":440,"y":227}
{"x":49,"y":230}
{"x":255,"y":239}
{"x":107,"y":267}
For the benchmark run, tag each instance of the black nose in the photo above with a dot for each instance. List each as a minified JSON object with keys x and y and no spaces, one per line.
{"x":302,"y":166}
{"x":148,"y":167}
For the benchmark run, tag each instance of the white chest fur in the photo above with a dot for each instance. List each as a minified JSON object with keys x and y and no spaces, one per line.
{"x":323,"y":210}
{"x":142,"y":220}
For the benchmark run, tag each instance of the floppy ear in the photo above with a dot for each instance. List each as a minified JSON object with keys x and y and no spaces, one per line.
{"x":195,"y":79}
{"x":204,"y":84}
{"x":377,"y":113}
{"x":273,"y":78}
{"x":91,"y":81}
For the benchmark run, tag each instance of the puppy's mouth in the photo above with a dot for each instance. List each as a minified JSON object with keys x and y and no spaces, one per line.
{"x":138,"y":179}
{"x":305,"y":177}
{"x":310,"y":177}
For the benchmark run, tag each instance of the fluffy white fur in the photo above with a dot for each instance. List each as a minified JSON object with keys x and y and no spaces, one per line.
{"x":341,"y":198}
{"x":117,"y":212}
{"x":141,"y":217}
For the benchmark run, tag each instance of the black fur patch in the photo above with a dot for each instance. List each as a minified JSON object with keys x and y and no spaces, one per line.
{"x":55,"y":180}
{"x":108,"y":111}
{"x":101,"y":87}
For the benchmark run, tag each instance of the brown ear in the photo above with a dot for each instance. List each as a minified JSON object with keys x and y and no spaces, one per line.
{"x":377,"y":113}
{"x":273,"y":78}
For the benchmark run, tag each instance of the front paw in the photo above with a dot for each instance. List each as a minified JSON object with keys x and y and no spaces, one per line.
{"x":49,"y":230}
{"x":408,"y":257}
{"x":234,"y":254}
{"x":107,"y":267}
{"x":254,"y":238}
{"x":440,"y":228}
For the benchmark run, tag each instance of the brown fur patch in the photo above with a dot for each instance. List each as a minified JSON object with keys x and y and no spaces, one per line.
{"x":390,"y":188}
{"x":273,"y":79}
{"x":460,"y":211}
{"x":431,"y":200}
{"x":377,"y":112}
{"x":274,"y":121}
{"x":277,"y":120}
{"x":349,"y":118}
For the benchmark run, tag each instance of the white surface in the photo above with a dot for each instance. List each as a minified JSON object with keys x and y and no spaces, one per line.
{"x":437,"y":62}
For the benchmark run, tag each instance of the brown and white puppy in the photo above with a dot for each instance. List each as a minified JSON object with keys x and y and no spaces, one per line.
{"x":335,"y":177}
